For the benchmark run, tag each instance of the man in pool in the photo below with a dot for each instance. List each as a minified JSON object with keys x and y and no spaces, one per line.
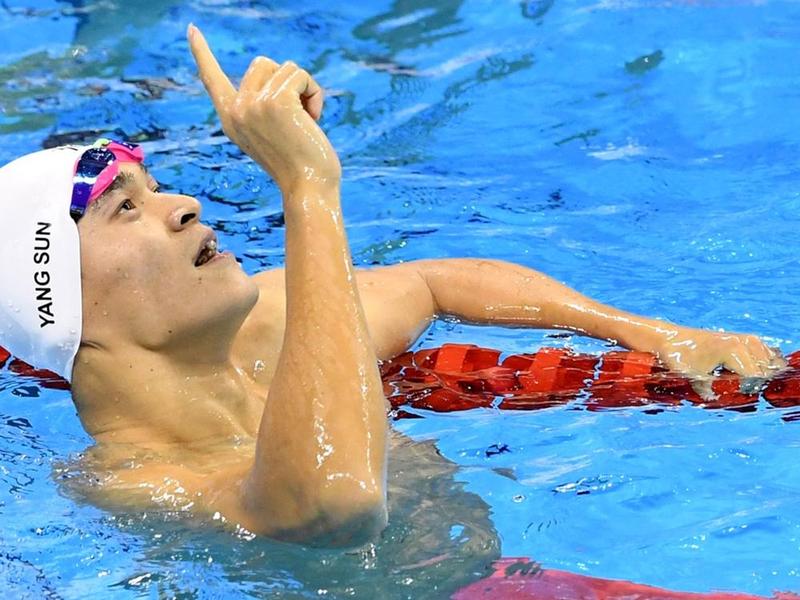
{"x":254,"y":399}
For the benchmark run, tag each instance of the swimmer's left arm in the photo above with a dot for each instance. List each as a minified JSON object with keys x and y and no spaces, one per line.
{"x":491,"y":291}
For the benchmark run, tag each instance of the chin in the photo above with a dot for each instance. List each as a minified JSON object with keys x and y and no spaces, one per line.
{"x":235,"y":298}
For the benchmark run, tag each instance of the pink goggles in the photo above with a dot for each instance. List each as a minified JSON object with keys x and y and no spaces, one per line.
{"x":96,"y":170}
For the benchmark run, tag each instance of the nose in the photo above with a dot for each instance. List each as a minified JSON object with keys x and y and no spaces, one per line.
{"x":185,"y":212}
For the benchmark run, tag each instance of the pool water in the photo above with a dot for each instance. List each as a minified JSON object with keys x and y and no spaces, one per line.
{"x":642,"y":151}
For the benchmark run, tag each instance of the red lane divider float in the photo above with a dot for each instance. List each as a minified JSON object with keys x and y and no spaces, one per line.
{"x":43,"y":377}
{"x":459,"y":377}
{"x":521,"y":579}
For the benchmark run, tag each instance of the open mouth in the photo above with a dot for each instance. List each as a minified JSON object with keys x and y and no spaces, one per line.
{"x":208,"y":251}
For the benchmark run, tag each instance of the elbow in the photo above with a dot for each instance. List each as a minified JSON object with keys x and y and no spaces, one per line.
{"x":351,"y":519}
{"x":342,"y":518}
{"x":344,"y":513}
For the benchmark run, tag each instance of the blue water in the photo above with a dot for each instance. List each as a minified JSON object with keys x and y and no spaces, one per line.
{"x":642,"y":151}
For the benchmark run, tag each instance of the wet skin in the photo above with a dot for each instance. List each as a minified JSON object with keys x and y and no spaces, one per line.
{"x":259,"y":397}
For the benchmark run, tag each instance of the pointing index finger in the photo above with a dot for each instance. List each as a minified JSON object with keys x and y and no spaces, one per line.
{"x":217,"y":84}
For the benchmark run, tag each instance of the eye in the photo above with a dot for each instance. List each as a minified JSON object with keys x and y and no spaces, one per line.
{"x":126,"y":206}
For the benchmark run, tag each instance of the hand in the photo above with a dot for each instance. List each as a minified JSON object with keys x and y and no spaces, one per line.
{"x":698,"y":353}
{"x":271,"y":117}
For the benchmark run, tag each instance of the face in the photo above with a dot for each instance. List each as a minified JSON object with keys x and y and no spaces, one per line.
{"x":145,"y":273}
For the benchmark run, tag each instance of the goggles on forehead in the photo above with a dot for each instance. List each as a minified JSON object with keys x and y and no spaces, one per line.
{"x":96,"y":170}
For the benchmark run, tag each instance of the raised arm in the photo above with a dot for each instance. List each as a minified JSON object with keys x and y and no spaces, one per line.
{"x":491,"y":291}
{"x":320,"y":467}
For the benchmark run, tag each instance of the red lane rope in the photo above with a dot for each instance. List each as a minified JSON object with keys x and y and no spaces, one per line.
{"x":522,"y":579}
{"x":459,"y":377}
{"x":43,"y":377}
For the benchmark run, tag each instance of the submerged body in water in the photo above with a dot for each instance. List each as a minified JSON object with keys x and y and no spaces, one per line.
{"x":439,"y":537}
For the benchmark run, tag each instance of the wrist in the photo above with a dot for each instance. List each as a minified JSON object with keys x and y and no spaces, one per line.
{"x":295,"y":191}
{"x":637,"y":333}
{"x":310,"y":180}
{"x":625,"y":329}
{"x":299,"y":186}
{"x":303,"y":187}
{"x":653,"y":336}
{"x":304,"y":199}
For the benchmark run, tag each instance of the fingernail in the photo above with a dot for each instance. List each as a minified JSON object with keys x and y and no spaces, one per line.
{"x":190,"y":30}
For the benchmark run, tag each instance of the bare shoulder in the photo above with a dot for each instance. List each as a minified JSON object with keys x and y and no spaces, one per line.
{"x":389,"y":283}
{"x":396,"y":299}
{"x":271,"y":279}
{"x":398,"y":305}
{"x":376,"y":282}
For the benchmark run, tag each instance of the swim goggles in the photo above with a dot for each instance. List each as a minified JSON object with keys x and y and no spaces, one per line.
{"x":96,"y":170}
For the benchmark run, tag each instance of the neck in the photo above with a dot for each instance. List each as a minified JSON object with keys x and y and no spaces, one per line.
{"x":199,"y":350}
{"x":135,"y":395}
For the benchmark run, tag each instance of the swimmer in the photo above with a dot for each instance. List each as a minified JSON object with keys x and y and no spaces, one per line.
{"x":256,"y":400}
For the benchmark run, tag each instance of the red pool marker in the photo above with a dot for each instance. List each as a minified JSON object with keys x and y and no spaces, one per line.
{"x":522,"y":579}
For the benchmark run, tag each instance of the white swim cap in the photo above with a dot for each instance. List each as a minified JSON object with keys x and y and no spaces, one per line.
{"x":40,"y":264}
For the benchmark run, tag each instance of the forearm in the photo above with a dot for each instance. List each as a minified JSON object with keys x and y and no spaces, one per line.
{"x":488,"y":291}
{"x":322,"y":443}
